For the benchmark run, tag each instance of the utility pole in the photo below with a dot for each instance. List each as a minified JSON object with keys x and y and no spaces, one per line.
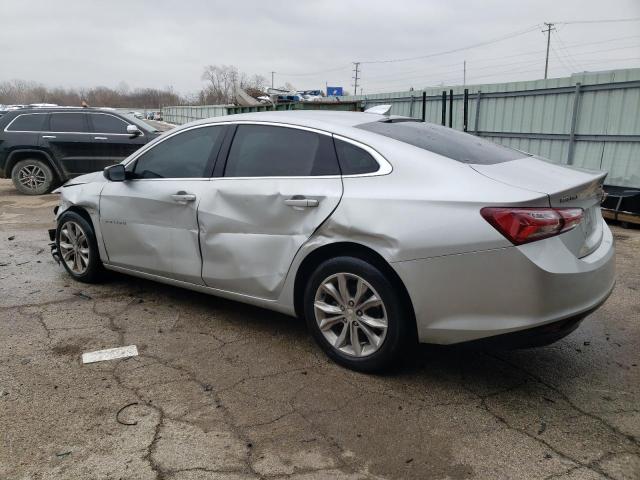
{"x":357,"y":73}
{"x":464,"y":73}
{"x":272,"y":73}
{"x":546,"y":61}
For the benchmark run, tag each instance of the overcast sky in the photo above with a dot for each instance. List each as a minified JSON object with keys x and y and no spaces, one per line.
{"x":160,"y":43}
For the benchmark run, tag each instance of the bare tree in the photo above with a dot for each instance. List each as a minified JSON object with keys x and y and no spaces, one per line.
{"x":221,"y":81}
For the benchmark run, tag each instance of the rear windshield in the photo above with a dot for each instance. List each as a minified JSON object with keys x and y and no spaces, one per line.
{"x":444,"y":141}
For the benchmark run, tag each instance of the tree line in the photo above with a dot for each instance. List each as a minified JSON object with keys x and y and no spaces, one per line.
{"x":219,"y":88}
{"x":23,"y":92}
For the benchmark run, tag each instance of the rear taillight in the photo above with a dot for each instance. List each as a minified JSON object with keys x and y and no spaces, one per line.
{"x":524,"y":225}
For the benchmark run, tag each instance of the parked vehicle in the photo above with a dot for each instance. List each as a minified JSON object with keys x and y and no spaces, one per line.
{"x":380,"y":231}
{"x":41,"y":148}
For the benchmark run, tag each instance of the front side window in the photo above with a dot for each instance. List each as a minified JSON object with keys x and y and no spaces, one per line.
{"x":270,"y":151}
{"x":68,"y":122}
{"x":104,"y":123}
{"x":185,"y":155}
{"x":30,"y":122}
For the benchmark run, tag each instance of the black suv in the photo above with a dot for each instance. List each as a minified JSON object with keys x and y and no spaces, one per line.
{"x":41,"y":148}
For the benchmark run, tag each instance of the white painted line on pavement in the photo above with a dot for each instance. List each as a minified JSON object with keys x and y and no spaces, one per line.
{"x":110,"y":354}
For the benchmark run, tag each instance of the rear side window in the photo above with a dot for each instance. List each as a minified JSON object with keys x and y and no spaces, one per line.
{"x":68,"y":122}
{"x":444,"y":141}
{"x":104,"y":123}
{"x":29,"y":122}
{"x":354,"y":160}
{"x":268,"y":151}
{"x":186,"y":155}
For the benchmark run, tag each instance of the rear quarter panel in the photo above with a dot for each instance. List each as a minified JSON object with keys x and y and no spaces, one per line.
{"x":427,"y":206}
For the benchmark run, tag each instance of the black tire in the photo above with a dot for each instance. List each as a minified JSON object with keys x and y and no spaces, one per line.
{"x":33,"y":176}
{"x":398,"y":318}
{"x":90,"y":271}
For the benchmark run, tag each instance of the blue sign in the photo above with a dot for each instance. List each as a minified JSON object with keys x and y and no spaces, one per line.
{"x":334,"y":91}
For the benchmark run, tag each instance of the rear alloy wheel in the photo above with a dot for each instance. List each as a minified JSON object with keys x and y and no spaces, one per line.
{"x":356,"y":314}
{"x":350,"y":314}
{"x":32,"y":177}
{"x":78,"y":248}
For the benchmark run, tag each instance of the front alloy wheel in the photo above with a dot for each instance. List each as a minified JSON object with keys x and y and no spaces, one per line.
{"x":74,"y":247}
{"x":77,"y":248}
{"x":350,"y":314}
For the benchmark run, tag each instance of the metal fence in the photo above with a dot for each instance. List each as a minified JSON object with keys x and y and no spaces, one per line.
{"x":590,"y":120}
{"x":184,"y":114}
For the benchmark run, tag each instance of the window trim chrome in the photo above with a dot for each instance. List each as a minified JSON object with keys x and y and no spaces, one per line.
{"x":384,"y":167}
{"x":6,"y":129}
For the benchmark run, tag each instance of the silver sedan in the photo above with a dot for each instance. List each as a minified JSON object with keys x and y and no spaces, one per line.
{"x":380,"y":231}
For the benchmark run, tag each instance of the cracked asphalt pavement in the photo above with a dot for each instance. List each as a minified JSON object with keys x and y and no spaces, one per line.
{"x":222,"y":390}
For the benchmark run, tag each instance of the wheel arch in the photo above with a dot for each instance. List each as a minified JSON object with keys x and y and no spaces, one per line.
{"x":351,"y":249}
{"x":24,"y":153}
{"x":83,"y":213}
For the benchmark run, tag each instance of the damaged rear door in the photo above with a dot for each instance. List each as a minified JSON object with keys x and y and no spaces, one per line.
{"x":278,"y":185}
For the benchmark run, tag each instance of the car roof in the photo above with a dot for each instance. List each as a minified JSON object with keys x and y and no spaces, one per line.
{"x":341,"y":123}
{"x":320,"y":119}
{"x":61,"y":109}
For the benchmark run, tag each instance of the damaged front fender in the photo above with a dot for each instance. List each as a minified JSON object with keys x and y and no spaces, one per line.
{"x":86,"y":197}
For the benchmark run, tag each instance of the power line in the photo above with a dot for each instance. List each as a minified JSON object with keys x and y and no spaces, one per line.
{"x":563,"y":48}
{"x":572,"y":63}
{"x":309,"y":74}
{"x":502,"y":73}
{"x":609,"y":40}
{"x":612,"y":20}
{"x":425,"y":74}
{"x":431,"y":74}
{"x":460,"y":49}
{"x":562,"y":61}
{"x":520,"y":54}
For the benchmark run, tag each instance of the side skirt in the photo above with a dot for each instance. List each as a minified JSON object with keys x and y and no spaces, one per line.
{"x":258,"y":302}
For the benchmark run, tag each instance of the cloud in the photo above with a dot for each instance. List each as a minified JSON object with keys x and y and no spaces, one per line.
{"x":161,"y":43}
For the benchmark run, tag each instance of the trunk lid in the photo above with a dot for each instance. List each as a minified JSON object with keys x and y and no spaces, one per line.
{"x":565,"y":187}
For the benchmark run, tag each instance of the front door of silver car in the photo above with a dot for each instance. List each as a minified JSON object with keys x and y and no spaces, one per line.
{"x":149,"y":221}
{"x":278,"y":185}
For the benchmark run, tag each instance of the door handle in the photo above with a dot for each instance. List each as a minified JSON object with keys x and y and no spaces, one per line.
{"x":300,"y":201}
{"x":183,"y":197}
{"x":49,"y":136}
{"x":100,"y":138}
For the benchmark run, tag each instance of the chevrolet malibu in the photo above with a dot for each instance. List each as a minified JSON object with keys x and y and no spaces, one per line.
{"x":380,"y":231}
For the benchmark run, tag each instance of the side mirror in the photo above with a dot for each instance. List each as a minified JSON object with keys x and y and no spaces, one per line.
{"x":115,"y":173}
{"x":133,"y":130}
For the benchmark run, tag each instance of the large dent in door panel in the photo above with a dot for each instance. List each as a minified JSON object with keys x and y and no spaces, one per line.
{"x":248,"y":241}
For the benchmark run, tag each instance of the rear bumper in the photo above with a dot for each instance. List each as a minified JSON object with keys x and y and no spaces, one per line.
{"x":460,"y":298}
